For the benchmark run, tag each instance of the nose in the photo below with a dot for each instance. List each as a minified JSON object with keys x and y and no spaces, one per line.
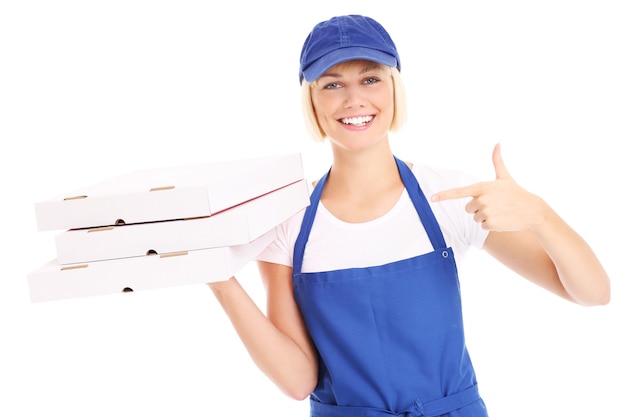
{"x":353,"y":98}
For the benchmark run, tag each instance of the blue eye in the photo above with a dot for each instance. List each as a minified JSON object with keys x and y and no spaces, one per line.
{"x":371,"y":80}
{"x":331,"y":86}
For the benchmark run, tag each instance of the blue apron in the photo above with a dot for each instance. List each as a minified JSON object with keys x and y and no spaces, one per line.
{"x":390,"y":337}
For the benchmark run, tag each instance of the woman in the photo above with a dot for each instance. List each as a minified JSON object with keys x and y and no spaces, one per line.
{"x":363,"y":304}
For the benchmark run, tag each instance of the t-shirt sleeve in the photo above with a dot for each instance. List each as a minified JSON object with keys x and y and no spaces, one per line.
{"x":280,"y":251}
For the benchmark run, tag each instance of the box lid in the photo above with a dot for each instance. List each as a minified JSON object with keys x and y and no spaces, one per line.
{"x":168,"y":193}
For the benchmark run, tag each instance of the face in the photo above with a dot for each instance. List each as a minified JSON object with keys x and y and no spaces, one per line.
{"x":354,"y":104}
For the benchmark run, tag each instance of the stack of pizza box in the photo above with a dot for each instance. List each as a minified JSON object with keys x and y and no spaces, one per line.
{"x":164,"y":227}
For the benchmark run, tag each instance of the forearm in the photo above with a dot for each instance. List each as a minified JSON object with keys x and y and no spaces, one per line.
{"x":277,"y":355}
{"x":578,"y":268}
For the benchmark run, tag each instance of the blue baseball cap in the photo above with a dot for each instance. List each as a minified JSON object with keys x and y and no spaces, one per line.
{"x":344,"y":38}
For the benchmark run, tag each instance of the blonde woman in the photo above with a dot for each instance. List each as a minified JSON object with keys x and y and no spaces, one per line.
{"x":363,"y":302}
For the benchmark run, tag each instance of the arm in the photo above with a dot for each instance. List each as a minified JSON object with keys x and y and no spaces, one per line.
{"x":278,"y":343}
{"x":555,"y":258}
{"x":531,"y":239}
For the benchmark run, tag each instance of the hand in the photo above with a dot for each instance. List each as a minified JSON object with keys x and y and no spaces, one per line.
{"x":500,"y":205}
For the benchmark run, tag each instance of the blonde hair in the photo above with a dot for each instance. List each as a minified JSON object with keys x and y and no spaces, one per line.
{"x":399,"y":107}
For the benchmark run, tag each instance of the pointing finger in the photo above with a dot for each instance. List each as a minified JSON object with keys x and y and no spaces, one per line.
{"x":460,"y":192}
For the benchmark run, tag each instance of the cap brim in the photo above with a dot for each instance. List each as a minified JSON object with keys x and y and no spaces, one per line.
{"x":323,"y":64}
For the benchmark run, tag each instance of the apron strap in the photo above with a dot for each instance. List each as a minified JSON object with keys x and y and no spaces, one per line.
{"x":307,"y":223}
{"x":422,"y":206}
{"x":434,"y":408}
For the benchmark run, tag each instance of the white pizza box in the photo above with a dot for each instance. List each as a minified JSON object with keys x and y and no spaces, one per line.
{"x":169,"y":193}
{"x":235,"y":226}
{"x":53,"y":281}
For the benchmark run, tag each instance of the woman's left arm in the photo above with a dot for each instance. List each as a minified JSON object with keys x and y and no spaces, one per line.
{"x":530,"y":238}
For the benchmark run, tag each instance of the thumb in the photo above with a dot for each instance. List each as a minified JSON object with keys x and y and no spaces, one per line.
{"x":498,"y":163}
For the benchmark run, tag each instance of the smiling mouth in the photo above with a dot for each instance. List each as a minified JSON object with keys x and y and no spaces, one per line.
{"x":357,"y":121}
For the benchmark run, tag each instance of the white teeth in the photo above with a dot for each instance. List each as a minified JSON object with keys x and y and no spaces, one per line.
{"x":357,"y":121}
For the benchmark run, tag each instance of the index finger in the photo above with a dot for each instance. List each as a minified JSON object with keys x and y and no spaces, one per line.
{"x":459,"y":192}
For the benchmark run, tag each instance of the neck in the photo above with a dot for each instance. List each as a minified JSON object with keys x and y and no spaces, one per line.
{"x":363,"y":171}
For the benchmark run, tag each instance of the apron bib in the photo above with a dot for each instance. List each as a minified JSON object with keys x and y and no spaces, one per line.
{"x":390,"y":338}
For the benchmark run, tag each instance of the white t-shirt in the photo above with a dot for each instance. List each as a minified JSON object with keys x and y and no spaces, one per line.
{"x":334,"y":244}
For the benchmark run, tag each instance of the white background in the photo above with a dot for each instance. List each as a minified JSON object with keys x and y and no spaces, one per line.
{"x":91,"y":90}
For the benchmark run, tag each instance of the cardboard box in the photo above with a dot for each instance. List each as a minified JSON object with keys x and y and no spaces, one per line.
{"x":54,"y":281}
{"x":169,"y":193}
{"x":235,"y":226}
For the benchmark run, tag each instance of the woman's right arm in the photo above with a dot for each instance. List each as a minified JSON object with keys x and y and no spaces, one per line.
{"x":278,"y":342}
